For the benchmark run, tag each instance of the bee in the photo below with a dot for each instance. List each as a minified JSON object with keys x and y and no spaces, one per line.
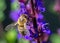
{"x":22,"y":20}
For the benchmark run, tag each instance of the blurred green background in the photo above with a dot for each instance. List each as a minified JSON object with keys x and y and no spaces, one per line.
{"x":50,"y":15}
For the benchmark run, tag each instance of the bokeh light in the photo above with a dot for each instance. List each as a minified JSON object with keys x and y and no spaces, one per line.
{"x":2,"y":5}
{"x":14,"y":5}
{"x":51,"y":8}
{"x":55,"y":38}
{"x":11,"y":36}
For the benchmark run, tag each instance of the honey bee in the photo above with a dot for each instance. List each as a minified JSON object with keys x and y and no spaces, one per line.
{"x":22,"y":20}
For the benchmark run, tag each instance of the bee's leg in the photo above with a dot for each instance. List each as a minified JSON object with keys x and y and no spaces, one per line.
{"x":21,"y":30}
{"x":16,"y":23}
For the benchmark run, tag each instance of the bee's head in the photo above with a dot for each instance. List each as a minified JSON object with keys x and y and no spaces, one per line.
{"x":23,"y":16}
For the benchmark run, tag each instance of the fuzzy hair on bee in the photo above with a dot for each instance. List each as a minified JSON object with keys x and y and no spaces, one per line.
{"x":22,"y":20}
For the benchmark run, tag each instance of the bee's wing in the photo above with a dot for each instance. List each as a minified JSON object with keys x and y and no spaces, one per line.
{"x":10,"y":26}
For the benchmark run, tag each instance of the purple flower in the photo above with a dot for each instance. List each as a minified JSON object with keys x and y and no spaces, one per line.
{"x":19,"y":36}
{"x":14,"y":15}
